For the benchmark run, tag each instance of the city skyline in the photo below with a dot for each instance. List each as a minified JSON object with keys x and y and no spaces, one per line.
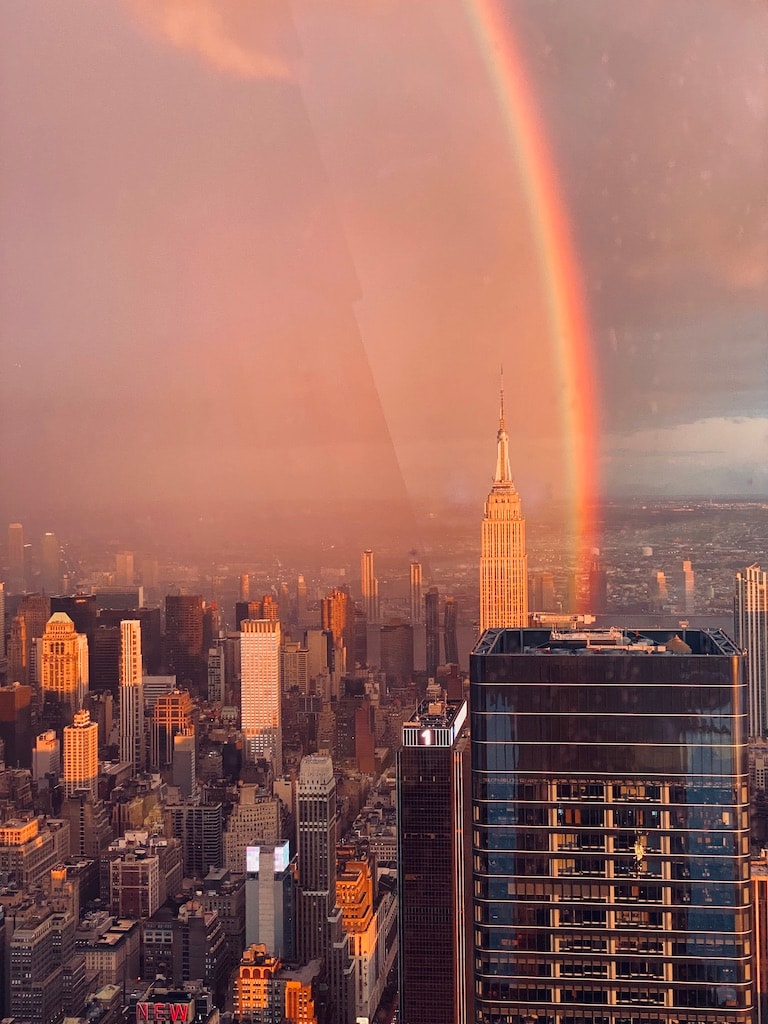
{"x":177,"y":260}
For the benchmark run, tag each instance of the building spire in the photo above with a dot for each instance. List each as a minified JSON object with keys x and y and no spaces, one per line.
{"x":503,"y":472}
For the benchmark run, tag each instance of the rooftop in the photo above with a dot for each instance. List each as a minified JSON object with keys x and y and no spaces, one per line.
{"x":612,"y":641}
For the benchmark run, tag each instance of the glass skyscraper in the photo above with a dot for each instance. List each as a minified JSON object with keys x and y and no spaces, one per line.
{"x":610,"y":828}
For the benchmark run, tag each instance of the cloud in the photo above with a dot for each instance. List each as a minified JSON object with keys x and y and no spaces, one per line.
{"x":216,"y":33}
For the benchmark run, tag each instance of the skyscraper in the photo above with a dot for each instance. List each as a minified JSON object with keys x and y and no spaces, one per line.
{"x":319,"y":931}
{"x":260,"y":714}
{"x":64,"y":663}
{"x":432,"y":619}
{"x":185,"y":653}
{"x":369,"y":586}
{"x":81,"y":756}
{"x":750,"y":628}
{"x":610,"y":828}
{"x":132,"y":741}
{"x":417,"y":581}
{"x":50,"y":564}
{"x":503,"y":561}
{"x":16,"y":573}
{"x":689,"y":588}
{"x":433,"y":838}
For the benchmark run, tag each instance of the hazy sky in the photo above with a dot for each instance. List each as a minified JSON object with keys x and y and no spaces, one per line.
{"x":262,"y":250}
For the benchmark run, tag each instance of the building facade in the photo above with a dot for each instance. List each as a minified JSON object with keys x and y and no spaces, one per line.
{"x":64,"y":663}
{"x":432,"y":853}
{"x":610,"y":828}
{"x":750,"y":630}
{"x":260,"y":713}
{"x":81,"y":756}
{"x":132,"y":738}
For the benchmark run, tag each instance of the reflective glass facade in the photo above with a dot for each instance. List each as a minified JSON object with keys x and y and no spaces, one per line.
{"x":610,"y":829}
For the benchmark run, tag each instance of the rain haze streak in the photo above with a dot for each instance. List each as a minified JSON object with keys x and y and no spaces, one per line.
{"x":266,"y":257}
{"x":208,"y":29}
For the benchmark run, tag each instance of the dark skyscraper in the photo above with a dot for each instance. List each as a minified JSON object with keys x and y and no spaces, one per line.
{"x":184,"y":651}
{"x":432,"y":620}
{"x":433,"y":836}
{"x":610,"y":828}
{"x":450,"y":622}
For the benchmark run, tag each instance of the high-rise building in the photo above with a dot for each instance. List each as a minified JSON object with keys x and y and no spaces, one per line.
{"x":503,"y":561}
{"x":64,"y":663}
{"x":750,"y":628}
{"x":450,"y":623}
{"x":124,"y":569}
{"x":689,"y":588}
{"x":598,"y":587}
{"x":302,"y":602}
{"x":432,"y":620}
{"x":132,"y":739}
{"x":610,"y":828}
{"x":433,"y":840}
{"x":265,"y":990}
{"x":319,"y":931}
{"x":46,"y":756}
{"x":369,"y":586}
{"x":50,"y":564}
{"x":185,"y":763}
{"x":16,"y":724}
{"x":417,"y":582}
{"x":16,"y":574}
{"x":184,"y":648}
{"x":270,"y":898}
{"x":171,"y":716}
{"x":396,"y":653}
{"x":81,"y":756}
{"x":541,"y":592}
{"x":36,"y":975}
{"x":260,"y":717}
{"x":217,"y":671}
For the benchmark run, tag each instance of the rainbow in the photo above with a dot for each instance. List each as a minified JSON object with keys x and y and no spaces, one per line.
{"x":566,"y":311}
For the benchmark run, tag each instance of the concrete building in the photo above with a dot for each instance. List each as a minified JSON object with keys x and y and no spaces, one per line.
{"x":81,"y":756}
{"x":750,"y":631}
{"x":270,"y":898}
{"x":265,"y":990}
{"x":132,"y":735}
{"x":64,"y":663}
{"x":260,"y":689}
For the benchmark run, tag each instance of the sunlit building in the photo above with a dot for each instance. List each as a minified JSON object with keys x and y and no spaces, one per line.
{"x":172,"y":715}
{"x":81,"y":756}
{"x":265,"y":990}
{"x":132,"y":738}
{"x":64,"y":663}
{"x":260,"y":714}
{"x":50,"y":564}
{"x":750,"y":629}
{"x":503,"y":559}
{"x":417,"y":583}
{"x":610,"y":828}
{"x":369,"y":586}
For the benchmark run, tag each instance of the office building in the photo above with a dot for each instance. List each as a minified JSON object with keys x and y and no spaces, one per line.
{"x":610,"y":828}
{"x":432,"y":621}
{"x":598,"y":587}
{"x":417,"y":583}
{"x":750,"y":630}
{"x":199,"y":828}
{"x":185,"y":651}
{"x":17,"y":582}
{"x":541,"y":592}
{"x":450,"y":623}
{"x":302,"y":602}
{"x":688,"y":588}
{"x":191,"y":945}
{"x":433,"y":845}
{"x":369,"y":586}
{"x":270,"y":898}
{"x":36,"y":975}
{"x":132,"y":739}
{"x":503,"y":560}
{"x":217,"y":671}
{"x":260,"y":715}
{"x":172,"y":715}
{"x":184,"y":765}
{"x":319,"y":930}
{"x":46,"y":757}
{"x":64,"y":663}
{"x":81,"y":756}
{"x":266,"y":990}
{"x":50,"y":564}
{"x":255,"y":820}
{"x":396,"y":653}
{"x":124,"y":569}
{"x":16,"y":724}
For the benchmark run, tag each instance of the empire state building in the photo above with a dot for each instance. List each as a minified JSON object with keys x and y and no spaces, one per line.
{"x":503,"y":561}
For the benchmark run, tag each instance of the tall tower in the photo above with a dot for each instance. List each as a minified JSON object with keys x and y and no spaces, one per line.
{"x":319,"y":931}
{"x":503,"y":561}
{"x":610,"y":828}
{"x":369,"y":586}
{"x":132,"y":742}
{"x":260,"y":716}
{"x":64,"y":662}
{"x":50,"y":564}
{"x":16,"y":573}
{"x":417,"y":582}
{"x":750,"y":628}
{"x":81,"y":756}
{"x":433,"y":862}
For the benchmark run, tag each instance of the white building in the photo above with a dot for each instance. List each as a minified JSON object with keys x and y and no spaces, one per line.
{"x":260,"y":717}
{"x":132,"y":740}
